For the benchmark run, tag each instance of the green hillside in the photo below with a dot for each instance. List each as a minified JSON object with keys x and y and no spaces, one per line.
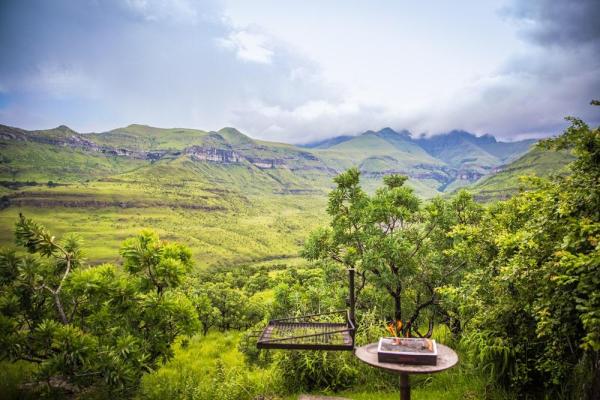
{"x":506,"y":151}
{"x":142,"y":137}
{"x":386,"y":152}
{"x":40,"y":162}
{"x":433,"y":165}
{"x":222,"y":226}
{"x":507,"y":181}
{"x":231,"y":198}
{"x":436,"y":164}
{"x":383,"y":143}
{"x":479,"y":154}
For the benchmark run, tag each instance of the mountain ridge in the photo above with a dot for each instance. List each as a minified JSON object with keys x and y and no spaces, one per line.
{"x":432,"y":164}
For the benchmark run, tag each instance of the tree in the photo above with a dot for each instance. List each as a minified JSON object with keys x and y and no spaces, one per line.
{"x":96,"y":326}
{"x":208,"y":314}
{"x":388,"y":239}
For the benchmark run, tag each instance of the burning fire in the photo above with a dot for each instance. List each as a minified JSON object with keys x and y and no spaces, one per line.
{"x":395,"y":328}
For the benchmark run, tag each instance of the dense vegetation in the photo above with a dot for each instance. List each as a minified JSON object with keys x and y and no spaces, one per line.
{"x":531,"y":301}
{"x":99,"y":326}
{"x":513,"y":286}
{"x":395,"y":243}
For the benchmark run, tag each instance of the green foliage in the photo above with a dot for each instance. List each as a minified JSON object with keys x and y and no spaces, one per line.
{"x":394,"y":243}
{"x":161,"y":265}
{"x":538,"y":162}
{"x":310,"y":370}
{"x":227,"y":298}
{"x":210,"y":368}
{"x":531,"y":298}
{"x":99,"y":326}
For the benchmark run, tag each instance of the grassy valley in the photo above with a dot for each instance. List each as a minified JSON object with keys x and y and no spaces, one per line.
{"x":229,"y":197}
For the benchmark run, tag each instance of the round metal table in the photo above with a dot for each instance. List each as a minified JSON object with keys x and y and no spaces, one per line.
{"x":447,"y":358}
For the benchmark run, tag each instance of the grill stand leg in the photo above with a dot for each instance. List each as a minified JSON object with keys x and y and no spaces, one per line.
{"x":404,"y":387}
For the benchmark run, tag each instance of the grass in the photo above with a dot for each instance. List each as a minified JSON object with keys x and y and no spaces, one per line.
{"x":267,"y":229}
{"x":227,"y":214}
{"x":11,"y":376}
{"x":204,"y":359}
{"x":24,"y":161}
{"x":208,"y":367}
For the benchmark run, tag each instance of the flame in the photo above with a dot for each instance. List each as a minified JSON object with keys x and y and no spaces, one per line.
{"x":399,"y":325}
{"x":390,"y":329}
{"x":395,"y":328}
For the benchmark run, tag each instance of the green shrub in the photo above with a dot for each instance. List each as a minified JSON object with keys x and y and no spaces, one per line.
{"x":316,"y":370}
{"x":209,"y":367}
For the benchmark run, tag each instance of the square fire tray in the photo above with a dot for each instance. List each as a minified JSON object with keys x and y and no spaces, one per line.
{"x":416,"y":351}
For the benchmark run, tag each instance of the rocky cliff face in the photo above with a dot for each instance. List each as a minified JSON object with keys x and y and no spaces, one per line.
{"x":223,"y":156}
{"x":266,"y":163}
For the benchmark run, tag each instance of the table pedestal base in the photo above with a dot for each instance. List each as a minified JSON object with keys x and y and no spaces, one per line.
{"x":404,"y":387}
{"x":446,"y":358}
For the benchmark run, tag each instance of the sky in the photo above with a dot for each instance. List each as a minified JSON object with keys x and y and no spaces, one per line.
{"x":300,"y":71}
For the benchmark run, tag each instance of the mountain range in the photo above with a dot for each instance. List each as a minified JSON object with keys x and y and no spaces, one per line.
{"x":434,"y":164}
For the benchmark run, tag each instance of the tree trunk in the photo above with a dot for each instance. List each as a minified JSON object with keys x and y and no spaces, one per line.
{"x":60,"y":309}
{"x":397,"y":306}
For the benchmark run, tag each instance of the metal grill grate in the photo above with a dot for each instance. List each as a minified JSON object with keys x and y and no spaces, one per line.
{"x":326,"y":331}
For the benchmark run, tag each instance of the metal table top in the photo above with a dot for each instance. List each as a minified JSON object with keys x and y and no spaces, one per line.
{"x":447,"y":358}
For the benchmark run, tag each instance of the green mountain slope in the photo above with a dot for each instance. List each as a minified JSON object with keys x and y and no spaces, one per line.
{"x":232,"y":198}
{"x":44,"y":156}
{"x":436,"y":164}
{"x":507,"y":181}
{"x":384,"y":152}
{"x":506,"y":151}
{"x":142,"y":137}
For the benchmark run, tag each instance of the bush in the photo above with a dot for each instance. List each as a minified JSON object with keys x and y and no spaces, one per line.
{"x":209,"y":367}
{"x":316,"y":370}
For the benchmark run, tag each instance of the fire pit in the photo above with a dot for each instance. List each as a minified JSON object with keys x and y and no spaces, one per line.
{"x":416,"y":351}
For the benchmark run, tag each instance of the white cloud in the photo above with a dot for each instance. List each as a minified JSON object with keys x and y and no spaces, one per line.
{"x":309,"y":120}
{"x":310,"y":71}
{"x":248,"y":46}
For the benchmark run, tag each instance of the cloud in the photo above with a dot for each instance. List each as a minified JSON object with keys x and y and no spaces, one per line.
{"x":99,"y":65}
{"x":556,"y":74}
{"x":311,"y":120}
{"x":557,"y":22}
{"x":248,"y":46}
{"x":96,"y":65}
